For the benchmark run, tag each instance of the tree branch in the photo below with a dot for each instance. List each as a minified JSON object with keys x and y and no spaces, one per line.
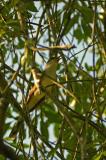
{"x":5,"y":150}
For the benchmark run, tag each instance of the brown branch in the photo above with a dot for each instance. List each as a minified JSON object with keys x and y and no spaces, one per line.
{"x":8,"y":93}
{"x":3,"y":109}
{"x":5,"y":150}
{"x":61,"y":47}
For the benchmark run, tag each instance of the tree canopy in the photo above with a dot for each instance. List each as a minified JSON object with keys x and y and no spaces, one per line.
{"x":69,"y":121}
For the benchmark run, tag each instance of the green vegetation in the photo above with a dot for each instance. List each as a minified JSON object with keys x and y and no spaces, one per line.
{"x":70,"y":122}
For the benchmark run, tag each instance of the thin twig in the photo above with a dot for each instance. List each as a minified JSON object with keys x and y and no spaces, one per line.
{"x":61,"y":47}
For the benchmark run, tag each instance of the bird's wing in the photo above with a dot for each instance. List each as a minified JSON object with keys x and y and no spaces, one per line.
{"x":34,"y":99}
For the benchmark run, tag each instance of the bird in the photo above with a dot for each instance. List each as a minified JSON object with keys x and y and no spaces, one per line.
{"x":43,"y":85}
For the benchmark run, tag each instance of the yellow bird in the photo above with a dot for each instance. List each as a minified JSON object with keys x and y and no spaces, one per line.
{"x":43,"y":85}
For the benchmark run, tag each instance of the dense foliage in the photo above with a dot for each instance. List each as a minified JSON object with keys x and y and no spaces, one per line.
{"x":69,"y":124}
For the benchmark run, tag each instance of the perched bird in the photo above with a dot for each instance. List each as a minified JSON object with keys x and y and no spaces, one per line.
{"x":43,"y":85}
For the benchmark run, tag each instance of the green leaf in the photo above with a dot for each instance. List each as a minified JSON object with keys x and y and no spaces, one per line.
{"x":15,"y":2}
{"x":78,"y":34}
{"x":51,"y":153}
{"x":2,"y":157}
{"x":56,"y":129}
{"x":2,"y":32}
{"x":31,"y":7}
{"x":86,"y":13}
{"x":53,"y":117}
{"x":72,"y":22}
{"x":15,"y":59}
{"x":44,"y":129}
{"x":97,"y":157}
{"x":88,"y":67}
